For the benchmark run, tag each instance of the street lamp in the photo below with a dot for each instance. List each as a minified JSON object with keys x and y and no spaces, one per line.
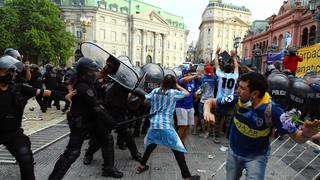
{"x":236,"y":43}
{"x":314,"y":6}
{"x":257,"y":54}
{"x":85,"y":22}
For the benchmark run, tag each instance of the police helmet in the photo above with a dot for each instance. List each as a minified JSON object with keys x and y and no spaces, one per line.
{"x":7,"y":62}
{"x":84,"y":64}
{"x":154,"y":76}
{"x":278,"y":86}
{"x":13,"y":53}
{"x":298,"y":95}
{"x":48,"y":67}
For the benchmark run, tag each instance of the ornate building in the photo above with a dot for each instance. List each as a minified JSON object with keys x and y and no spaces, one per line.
{"x":221,"y":25}
{"x":141,"y":31}
{"x":294,"y":18}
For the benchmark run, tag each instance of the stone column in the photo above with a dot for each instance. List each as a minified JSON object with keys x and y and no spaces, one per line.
{"x":162,"y":49}
{"x":155,"y":47}
{"x":143,"y":45}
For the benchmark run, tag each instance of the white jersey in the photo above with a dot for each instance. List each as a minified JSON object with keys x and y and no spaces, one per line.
{"x":163,"y":103}
{"x":226,"y":83}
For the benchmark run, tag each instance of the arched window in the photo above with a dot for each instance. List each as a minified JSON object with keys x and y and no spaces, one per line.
{"x":114,"y":7}
{"x":312,"y":35}
{"x":124,"y":37}
{"x":304,"y":40}
{"x":274,"y":40}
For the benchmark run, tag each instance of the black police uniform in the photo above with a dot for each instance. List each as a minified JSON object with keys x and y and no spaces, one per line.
{"x":50,"y":81}
{"x":35,"y":81}
{"x":117,"y":108}
{"x":86,"y":116}
{"x":12,"y":103}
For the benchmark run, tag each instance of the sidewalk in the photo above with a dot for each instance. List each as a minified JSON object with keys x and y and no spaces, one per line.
{"x":36,"y":120}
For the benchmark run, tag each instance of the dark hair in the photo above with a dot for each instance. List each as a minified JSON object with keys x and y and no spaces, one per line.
{"x":169,"y":82}
{"x":256,"y":82}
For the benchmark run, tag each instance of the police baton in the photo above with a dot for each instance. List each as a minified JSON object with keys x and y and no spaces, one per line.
{"x":135,"y":119}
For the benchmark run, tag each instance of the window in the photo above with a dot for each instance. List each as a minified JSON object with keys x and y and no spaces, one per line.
{"x":102,"y":4}
{"x":113,"y":36}
{"x":174,"y":45}
{"x":114,"y":52}
{"x":79,"y":34}
{"x":181,"y":46}
{"x":123,"y":23}
{"x":103,"y":34}
{"x":138,"y":37}
{"x":102,"y":18}
{"x":114,"y":7}
{"x":113,"y":21}
{"x":124,"y":37}
{"x":138,"y":63}
{"x":123,"y":53}
{"x":168,"y":45}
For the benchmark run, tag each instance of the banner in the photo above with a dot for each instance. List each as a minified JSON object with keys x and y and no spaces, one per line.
{"x":311,"y":59}
{"x":274,"y":56}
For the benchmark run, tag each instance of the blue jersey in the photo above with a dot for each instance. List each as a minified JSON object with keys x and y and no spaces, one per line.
{"x":226,"y":83}
{"x":207,"y":87}
{"x":187,"y":102}
{"x":163,"y":103}
{"x":249,"y":133}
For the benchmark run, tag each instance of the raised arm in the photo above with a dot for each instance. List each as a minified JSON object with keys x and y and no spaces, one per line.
{"x":216,"y":59}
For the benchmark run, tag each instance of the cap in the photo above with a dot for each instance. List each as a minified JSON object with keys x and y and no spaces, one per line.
{"x":208,"y":70}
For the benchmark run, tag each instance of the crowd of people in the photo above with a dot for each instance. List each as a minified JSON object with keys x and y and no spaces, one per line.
{"x":221,"y":98}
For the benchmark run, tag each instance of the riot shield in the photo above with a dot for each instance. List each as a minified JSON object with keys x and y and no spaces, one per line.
{"x":123,"y":73}
{"x":154,"y":76}
{"x":298,"y":94}
{"x":178,"y":72}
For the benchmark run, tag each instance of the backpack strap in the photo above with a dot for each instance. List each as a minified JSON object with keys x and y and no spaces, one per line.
{"x":268,"y":114}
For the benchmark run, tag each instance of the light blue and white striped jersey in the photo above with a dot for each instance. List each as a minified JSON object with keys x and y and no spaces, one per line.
{"x":226,"y":83}
{"x":163,"y":103}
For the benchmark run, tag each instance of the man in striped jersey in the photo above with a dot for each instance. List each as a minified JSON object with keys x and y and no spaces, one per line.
{"x":227,"y":73}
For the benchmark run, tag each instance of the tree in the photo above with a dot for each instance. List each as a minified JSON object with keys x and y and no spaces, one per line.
{"x":38,"y":32}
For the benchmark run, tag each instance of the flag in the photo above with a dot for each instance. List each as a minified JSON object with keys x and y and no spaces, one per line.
{"x":274,"y":56}
{"x":287,"y":40}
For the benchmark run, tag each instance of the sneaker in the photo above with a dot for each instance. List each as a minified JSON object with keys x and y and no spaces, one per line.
{"x":113,"y":172}
{"x":216,"y":140}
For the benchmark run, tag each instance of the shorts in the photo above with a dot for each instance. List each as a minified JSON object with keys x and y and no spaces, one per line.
{"x":185,"y":116}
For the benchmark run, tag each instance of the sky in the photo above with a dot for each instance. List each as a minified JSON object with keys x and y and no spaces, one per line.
{"x":191,"y":10}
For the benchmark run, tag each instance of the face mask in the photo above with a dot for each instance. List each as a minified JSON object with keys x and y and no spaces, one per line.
{"x":6,"y":78}
{"x":248,"y":104}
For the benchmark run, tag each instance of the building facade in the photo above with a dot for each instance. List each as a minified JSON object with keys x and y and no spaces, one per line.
{"x":221,"y":25}
{"x":294,"y":18}
{"x":133,"y":28}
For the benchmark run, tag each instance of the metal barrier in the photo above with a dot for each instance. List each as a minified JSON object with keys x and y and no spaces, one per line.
{"x":289,"y":160}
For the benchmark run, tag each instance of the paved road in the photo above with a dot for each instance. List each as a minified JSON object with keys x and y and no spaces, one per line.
{"x":162,"y":162}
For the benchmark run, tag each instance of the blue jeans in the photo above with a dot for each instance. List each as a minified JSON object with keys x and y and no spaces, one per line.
{"x":255,"y":166}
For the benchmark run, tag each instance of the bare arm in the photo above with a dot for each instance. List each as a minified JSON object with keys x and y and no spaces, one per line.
{"x":235,"y":61}
{"x":308,"y":131}
{"x":27,"y":76}
{"x":183,"y":90}
{"x":216,"y":59}
{"x":208,"y":105}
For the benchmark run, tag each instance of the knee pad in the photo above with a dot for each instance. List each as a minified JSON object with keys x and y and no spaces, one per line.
{"x":71,"y":155}
{"x":24,"y":155}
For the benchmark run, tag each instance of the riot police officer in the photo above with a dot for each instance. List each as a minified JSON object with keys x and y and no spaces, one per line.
{"x":36,"y":82}
{"x":87,"y":116}
{"x":22,"y":69}
{"x":13,"y":98}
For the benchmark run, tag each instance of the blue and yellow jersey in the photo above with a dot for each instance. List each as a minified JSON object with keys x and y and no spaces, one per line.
{"x":249,"y":133}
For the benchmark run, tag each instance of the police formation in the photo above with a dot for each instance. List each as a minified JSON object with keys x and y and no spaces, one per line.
{"x":14,"y":95}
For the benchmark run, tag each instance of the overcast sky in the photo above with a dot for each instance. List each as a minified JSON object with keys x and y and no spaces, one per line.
{"x":192,"y":10}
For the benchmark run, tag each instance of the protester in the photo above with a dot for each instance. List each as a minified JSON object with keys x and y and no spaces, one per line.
{"x":251,"y":128}
{"x":290,"y":61}
{"x":161,"y":131}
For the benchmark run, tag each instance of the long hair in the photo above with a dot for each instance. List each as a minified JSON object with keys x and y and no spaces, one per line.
{"x":169,"y":82}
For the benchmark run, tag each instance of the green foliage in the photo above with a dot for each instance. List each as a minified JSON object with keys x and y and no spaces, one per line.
{"x":34,"y":27}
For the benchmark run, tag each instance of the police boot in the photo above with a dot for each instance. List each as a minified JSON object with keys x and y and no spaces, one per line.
{"x":87,"y":159}
{"x":112,"y":172}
